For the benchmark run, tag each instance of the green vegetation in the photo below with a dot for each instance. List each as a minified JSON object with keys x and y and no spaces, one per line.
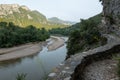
{"x":25,"y":18}
{"x":12,"y":35}
{"x":21,"y":77}
{"x":82,"y":36}
{"x":64,"y":31}
{"x":86,"y":37}
{"x":67,"y":30}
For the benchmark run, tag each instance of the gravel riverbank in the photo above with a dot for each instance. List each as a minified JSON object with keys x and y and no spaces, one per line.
{"x":28,"y":49}
{"x":57,"y":42}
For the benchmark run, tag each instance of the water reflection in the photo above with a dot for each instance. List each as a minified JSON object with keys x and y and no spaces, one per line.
{"x":36,"y":67}
{"x":13,"y":62}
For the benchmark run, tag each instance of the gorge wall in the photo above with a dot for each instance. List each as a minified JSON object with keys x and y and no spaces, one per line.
{"x":72,"y":69}
{"x":111,"y":15}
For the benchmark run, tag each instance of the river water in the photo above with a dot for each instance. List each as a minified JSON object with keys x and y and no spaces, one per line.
{"x":36,"y":67}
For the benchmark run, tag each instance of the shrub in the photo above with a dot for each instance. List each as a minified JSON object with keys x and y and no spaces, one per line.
{"x":21,"y":77}
{"x":84,"y":38}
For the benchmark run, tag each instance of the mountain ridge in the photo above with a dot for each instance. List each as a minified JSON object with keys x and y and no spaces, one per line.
{"x":60,"y":21}
{"x":23,"y":16}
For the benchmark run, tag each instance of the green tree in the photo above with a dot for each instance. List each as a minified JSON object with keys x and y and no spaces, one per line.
{"x":11,"y":35}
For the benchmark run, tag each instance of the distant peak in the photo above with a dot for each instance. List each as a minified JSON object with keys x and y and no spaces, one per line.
{"x":54,"y":18}
{"x":60,"y":21}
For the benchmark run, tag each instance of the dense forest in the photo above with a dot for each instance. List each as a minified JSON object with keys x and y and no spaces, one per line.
{"x":12,"y":35}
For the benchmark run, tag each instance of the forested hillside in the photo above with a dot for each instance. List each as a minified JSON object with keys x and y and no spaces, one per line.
{"x":66,"y":31}
{"x":23,"y":16}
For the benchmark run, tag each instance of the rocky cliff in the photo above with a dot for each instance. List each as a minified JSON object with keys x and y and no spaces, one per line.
{"x":111,"y":15}
{"x":73,"y":68}
{"x":6,"y":9}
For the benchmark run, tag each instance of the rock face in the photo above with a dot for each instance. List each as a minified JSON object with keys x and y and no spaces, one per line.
{"x":6,"y":9}
{"x":78,"y":62}
{"x":111,"y":15}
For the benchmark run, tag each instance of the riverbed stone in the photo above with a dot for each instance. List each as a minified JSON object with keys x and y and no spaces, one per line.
{"x":68,"y":78}
{"x":84,"y":52}
{"x":61,"y":64}
{"x":52,"y":74}
{"x":64,"y":72}
{"x":67,"y":67}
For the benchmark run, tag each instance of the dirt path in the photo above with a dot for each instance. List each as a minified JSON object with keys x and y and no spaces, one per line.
{"x":102,"y":70}
{"x":57,"y":42}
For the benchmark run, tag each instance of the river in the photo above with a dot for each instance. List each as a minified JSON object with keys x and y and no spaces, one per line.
{"x":36,"y":67}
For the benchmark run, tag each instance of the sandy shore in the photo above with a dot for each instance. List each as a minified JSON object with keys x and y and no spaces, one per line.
{"x":57,"y":42}
{"x":21,"y":51}
{"x":8,"y":50}
{"x":28,"y":49}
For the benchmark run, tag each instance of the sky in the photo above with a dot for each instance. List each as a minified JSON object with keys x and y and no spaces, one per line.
{"x":71,"y":10}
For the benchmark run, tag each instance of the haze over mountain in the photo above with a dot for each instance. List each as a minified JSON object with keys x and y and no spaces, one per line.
{"x":59,"y":21}
{"x":23,"y":16}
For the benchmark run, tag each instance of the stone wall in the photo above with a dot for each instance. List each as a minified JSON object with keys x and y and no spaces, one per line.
{"x":78,"y":73}
{"x":72,"y":69}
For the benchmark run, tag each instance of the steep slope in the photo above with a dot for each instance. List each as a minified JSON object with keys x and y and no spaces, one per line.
{"x":23,"y":16}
